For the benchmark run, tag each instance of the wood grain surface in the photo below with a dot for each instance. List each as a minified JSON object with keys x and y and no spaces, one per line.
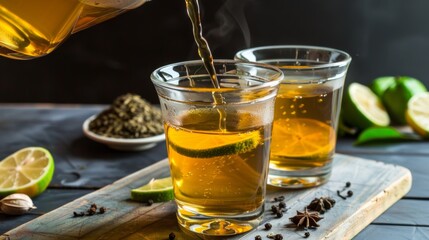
{"x":376,"y":187}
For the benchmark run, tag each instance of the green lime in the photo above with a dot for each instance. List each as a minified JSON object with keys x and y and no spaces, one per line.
{"x":381,"y":84}
{"x":157,"y":190}
{"x":204,"y":145}
{"x":27,"y":171}
{"x":362,"y":108}
{"x":396,"y":97}
{"x":417,"y":115}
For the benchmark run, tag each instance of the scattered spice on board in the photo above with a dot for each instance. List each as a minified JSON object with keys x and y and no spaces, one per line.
{"x":275,"y":236}
{"x":321,"y":204}
{"x":306,"y":219}
{"x":92,"y":210}
{"x":130,"y":116}
{"x":349,"y":192}
{"x":280,"y":208}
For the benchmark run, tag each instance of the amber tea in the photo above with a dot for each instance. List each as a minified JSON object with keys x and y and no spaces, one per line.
{"x":306,"y":111}
{"x":218,"y":172}
{"x":30,"y":29}
{"x":304,"y":126}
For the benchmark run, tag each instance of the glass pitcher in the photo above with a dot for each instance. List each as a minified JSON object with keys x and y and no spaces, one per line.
{"x":34,"y":28}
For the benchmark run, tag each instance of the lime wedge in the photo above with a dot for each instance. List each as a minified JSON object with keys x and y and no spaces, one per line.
{"x":417,"y":115}
{"x":396,"y":97}
{"x":196,"y":143}
{"x":157,"y":190}
{"x":27,"y":171}
{"x":362,"y":108}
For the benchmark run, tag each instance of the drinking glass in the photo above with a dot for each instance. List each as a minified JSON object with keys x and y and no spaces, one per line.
{"x":218,"y":141}
{"x":306,"y":111}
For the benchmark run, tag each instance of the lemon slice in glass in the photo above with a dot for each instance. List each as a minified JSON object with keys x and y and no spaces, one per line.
{"x":417,"y":114}
{"x":302,"y":137}
{"x":157,"y":190}
{"x":27,"y":171}
{"x":362,"y":108}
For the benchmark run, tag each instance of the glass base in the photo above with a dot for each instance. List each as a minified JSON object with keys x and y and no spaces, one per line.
{"x":220,"y":225}
{"x":300,"y":179}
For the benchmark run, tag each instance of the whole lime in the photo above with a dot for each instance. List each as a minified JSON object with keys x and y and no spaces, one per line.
{"x":381,"y":84}
{"x":396,"y":96}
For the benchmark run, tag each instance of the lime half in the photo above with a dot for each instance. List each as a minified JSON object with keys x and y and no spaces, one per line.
{"x":27,"y":171}
{"x":157,"y":190}
{"x":362,"y":108}
{"x":417,"y":115}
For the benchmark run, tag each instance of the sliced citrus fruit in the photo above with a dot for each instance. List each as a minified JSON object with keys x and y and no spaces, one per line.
{"x":211,"y":144}
{"x":417,"y":115}
{"x":396,"y":97}
{"x":157,"y":190}
{"x":301,"y":137}
{"x":362,"y":108}
{"x":27,"y":171}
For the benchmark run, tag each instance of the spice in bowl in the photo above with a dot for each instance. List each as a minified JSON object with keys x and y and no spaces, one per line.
{"x":130,"y":116}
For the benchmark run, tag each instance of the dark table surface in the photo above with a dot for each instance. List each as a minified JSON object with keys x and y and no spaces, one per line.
{"x":82,"y":166}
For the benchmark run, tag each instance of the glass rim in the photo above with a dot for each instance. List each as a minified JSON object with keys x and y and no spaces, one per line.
{"x":276,"y":80}
{"x":341,"y":63}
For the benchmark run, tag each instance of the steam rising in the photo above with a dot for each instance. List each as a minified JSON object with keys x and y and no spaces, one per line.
{"x":230,"y":19}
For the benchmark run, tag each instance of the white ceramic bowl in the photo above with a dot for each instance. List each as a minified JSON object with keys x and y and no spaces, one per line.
{"x":124,"y":144}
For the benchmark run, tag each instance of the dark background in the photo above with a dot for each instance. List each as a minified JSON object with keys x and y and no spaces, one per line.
{"x":98,"y":64}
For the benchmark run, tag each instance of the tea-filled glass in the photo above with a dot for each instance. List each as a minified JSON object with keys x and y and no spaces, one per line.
{"x":34,"y":28}
{"x":218,"y":141}
{"x":306,"y":111}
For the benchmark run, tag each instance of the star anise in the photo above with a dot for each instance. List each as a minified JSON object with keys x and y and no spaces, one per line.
{"x":306,"y":219}
{"x":321,"y":204}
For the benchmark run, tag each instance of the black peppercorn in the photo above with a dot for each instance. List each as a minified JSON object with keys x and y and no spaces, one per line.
{"x":171,"y":236}
{"x":279,"y":198}
{"x":92,"y":211}
{"x":268,"y":226}
{"x":306,"y":234}
{"x":278,"y":237}
{"x":350,"y":193}
{"x":274,"y":209}
{"x":279,"y":214}
{"x":282,"y":204}
{"x":102,"y":210}
{"x":81,"y":214}
{"x":150,"y":202}
{"x":258,"y":237}
{"x":348,"y":184}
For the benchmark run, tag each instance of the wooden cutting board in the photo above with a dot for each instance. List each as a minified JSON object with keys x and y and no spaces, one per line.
{"x":376,"y":187}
